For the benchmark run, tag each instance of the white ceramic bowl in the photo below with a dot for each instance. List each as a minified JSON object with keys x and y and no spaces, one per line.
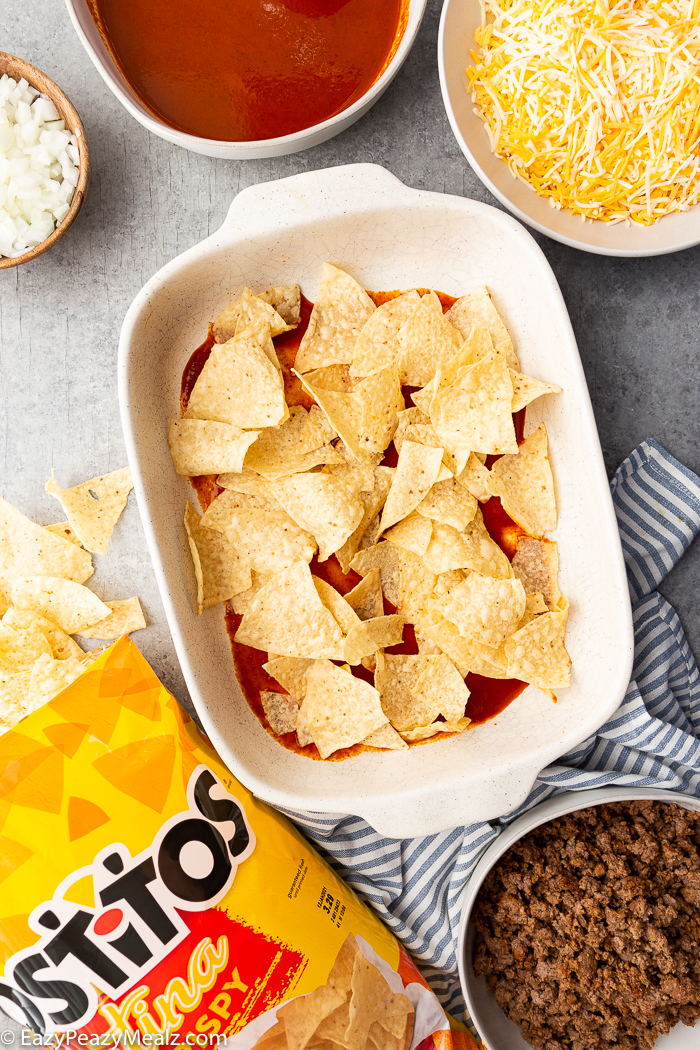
{"x":494,"y":1028}
{"x":456,"y":39}
{"x":278,"y":147}
{"x":388,"y":236}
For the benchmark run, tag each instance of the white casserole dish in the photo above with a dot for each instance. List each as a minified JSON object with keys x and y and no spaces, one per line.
{"x":90,"y":38}
{"x":494,"y":1028}
{"x":388,"y":236}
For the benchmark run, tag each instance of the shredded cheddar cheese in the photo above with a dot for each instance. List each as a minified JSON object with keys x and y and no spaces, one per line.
{"x":596,"y":107}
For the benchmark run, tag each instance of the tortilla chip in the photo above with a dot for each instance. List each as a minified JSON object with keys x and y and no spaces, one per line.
{"x":416,"y":472}
{"x":220,"y":570}
{"x":377,"y":344}
{"x":65,"y":530}
{"x":290,"y":448}
{"x":357,"y":471}
{"x":413,"y":533}
{"x":340,"y":311}
{"x":372,"y":1000}
{"x":473,"y":413}
{"x":20,"y":647}
{"x":69,"y":605}
{"x":274,"y":1038}
{"x":484,"y":609}
{"x":339,"y":709}
{"x":203,"y":446}
{"x":322,"y":505}
{"x":416,"y":582}
{"x":425,"y":732}
{"x":343,"y":614}
{"x":301,"y":1016}
{"x":372,"y":503}
{"x":536,"y":652}
{"x":260,"y":530}
{"x":449,"y":503}
{"x":248,"y":310}
{"x":485,"y":556}
{"x":241,"y":601}
{"x":427,"y":339}
{"x":387,"y":738}
{"x":239,"y":384}
{"x":94,"y":507}
{"x":475,"y":478}
{"x":447,"y":550}
{"x":393,"y":679}
{"x":385,"y":557}
{"x":61,"y":645}
{"x":28,"y":550}
{"x":290,"y":672}
{"x":127,"y":616}
{"x":466,"y":655}
{"x":369,"y":636}
{"x":379,"y":400}
{"x":536,"y":564}
{"x":287,"y":616}
{"x":441,"y":687}
{"x":525,"y":485}
{"x":366,"y":598}
{"x":14,"y":689}
{"x":281,"y":711}
{"x":410,"y":417}
{"x":339,"y":408}
{"x":526,"y":389}
{"x":335,"y":378}
{"x":476,"y":310}
{"x":50,"y":677}
{"x":286,"y":299}
{"x":535,"y":605}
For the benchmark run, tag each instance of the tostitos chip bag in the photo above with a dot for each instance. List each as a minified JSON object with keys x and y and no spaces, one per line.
{"x":147,"y":898}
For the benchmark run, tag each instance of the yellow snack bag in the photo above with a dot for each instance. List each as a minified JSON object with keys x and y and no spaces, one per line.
{"x":147,"y":898}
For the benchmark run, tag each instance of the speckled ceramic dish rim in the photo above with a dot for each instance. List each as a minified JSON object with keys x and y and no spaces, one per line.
{"x":389,"y":236}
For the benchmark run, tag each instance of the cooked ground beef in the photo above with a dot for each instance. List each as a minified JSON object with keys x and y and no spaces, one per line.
{"x":588,"y":929}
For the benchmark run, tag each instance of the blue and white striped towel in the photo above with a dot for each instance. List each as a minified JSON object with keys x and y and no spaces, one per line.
{"x":653,"y":739}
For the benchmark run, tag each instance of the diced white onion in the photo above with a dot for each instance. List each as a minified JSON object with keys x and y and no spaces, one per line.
{"x":39,"y":167}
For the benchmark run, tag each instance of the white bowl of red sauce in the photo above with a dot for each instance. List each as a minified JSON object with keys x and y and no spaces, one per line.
{"x":245,"y":79}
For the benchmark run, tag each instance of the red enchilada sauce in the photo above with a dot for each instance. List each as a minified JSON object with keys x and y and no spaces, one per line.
{"x":488,"y":696}
{"x":241,"y":70}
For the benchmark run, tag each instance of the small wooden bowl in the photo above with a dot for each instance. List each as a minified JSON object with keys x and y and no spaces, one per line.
{"x":18,"y":68}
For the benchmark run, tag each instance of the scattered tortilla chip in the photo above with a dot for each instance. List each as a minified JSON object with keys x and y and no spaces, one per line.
{"x":473,"y":413}
{"x":385,"y":557}
{"x":241,"y":601}
{"x":203,"y":446}
{"x":412,"y":533}
{"x":339,"y":709}
{"x":239,"y":384}
{"x":290,"y":672}
{"x":20,"y":647}
{"x":357,"y":471}
{"x":220,"y":570}
{"x":485,"y":609}
{"x":368,"y":636}
{"x":340,"y":311}
{"x":343,"y":614}
{"x":526,"y":389}
{"x":450,"y":503}
{"x":465,"y":655}
{"x":69,"y":605}
{"x":281,"y":711}
{"x":441,"y":687}
{"x":94,"y":507}
{"x":28,"y":550}
{"x":387,"y":738}
{"x":536,"y":563}
{"x":536,"y":652}
{"x":284,"y":450}
{"x":14,"y":689}
{"x":525,"y":485}
{"x":248,"y":310}
{"x":425,"y":732}
{"x":65,"y":530}
{"x":416,"y":473}
{"x":377,"y":344}
{"x":366,"y":598}
{"x":427,"y":339}
{"x":286,"y":299}
{"x":127,"y":616}
{"x":477,"y":310}
{"x":475,"y":478}
{"x":287,"y":616}
{"x":322,"y":505}
{"x":372,"y":503}
{"x":49,"y":678}
{"x":260,"y":530}
{"x":61,"y":645}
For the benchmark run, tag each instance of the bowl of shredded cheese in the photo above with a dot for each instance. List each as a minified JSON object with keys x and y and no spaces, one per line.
{"x":581,"y":117}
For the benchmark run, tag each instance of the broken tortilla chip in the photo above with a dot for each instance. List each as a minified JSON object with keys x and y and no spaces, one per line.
{"x":449,"y":503}
{"x":290,"y":672}
{"x":219,"y":569}
{"x":61,"y":644}
{"x":525,"y":485}
{"x":69,"y":605}
{"x":416,"y":472}
{"x":526,"y":389}
{"x":94,"y":507}
{"x":203,"y":446}
{"x":27,"y":549}
{"x":368,"y":636}
{"x":248,"y":310}
{"x":339,"y":709}
{"x":339,"y":313}
{"x":366,"y":598}
{"x":412,"y":533}
{"x":387,"y":738}
{"x":65,"y":530}
{"x":260,"y":530}
{"x":343,"y":614}
{"x":126,"y":616}
{"x":536,"y":652}
{"x":20,"y":647}
{"x":279,"y":451}
{"x":466,"y":655}
{"x":286,"y":299}
{"x":476,"y":310}
{"x":536,"y":563}
{"x":385,"y":557}
{"x":475,"y":478}
{"x":372,"y":503}
{"x":473,"y":413}
{"x":427,"y":340}
{"x":377,"y":344}
{"x":281,"y":711}
{"x":425,"y":732}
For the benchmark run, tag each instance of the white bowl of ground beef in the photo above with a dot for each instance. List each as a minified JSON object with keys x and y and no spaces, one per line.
{"x":530,"y":949}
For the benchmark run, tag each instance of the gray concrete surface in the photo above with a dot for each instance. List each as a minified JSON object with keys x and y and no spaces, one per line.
{"x":635,"y":320}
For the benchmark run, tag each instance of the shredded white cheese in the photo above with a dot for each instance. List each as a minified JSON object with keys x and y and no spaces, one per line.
{"x":39,"y":167}
{"x":596,"y":107}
